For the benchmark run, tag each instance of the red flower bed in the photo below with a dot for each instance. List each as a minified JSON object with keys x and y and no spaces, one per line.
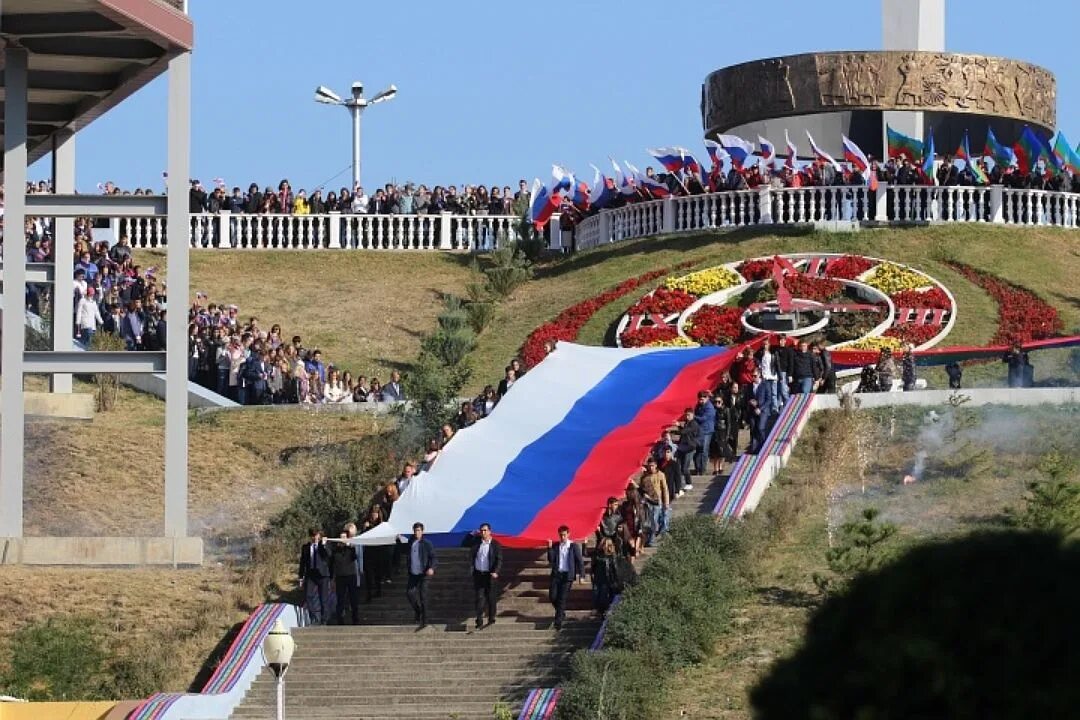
{"x":756,"y":269}
{"x":1022,"y":315}
{"x":648,"y":334}
{"x":848,"y":267}
{"x":811,"y":288}
{"x":932,"y":298}
{"x":716,"y":325}
{"x":916,"y":334}
{"x":662,"y":302}
{"x":569,"y":322}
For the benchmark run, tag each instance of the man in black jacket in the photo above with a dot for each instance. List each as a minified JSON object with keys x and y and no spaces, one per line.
{"x":485,"y":557}
{"x":346,"y":576}
{"x":689,"y":440}
{"x":785,"y":358}
{"x":567,"y":567}
{"x":315,"y":577}
{"x":806,"y":369}
{"x":421,"y":567}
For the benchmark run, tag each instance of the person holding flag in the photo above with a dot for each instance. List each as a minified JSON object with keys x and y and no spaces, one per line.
{"x":793,"y":153}
{"x":545,"y":201}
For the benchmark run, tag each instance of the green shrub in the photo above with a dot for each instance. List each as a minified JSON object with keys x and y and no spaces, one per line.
{"x":1053,"y":503}
{"x":612,"y":685}
{"x":59,"y":658}
{"x":509,"y":270}
{"x":480,"y":314}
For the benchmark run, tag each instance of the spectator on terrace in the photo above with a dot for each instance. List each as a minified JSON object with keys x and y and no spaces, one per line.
{"x":518,"y":368}
{"x":507,"y":382}
{"x":253,"y":378}
{"x":605,"y":576}
{"x":487,"y":401}
{"x":359,"y":202}
{"x":654,"y":493}
{"x":886,"y":370}
{"x":335,"y":392}
{"x":131,"y":328}
{"x":300,"y":205}
{"x":315,"y":365}
{"x":375,"y":392}
{"x":121,"y":251}
{"x":408,"y":472}
{"x":87,"y":317}
{"x":466,"y":416}
{"x":315,"y":389}
{"x":360,"y":389}
{"x":689,"y":441}
{"x":392,"y":391}
{"x":446,"y":433}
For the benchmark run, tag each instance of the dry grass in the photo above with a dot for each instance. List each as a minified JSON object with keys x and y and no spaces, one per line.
{"x":365,"y":310}
{"x":106,"y":476}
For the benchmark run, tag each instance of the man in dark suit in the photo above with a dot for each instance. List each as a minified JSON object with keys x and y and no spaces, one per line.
{"x":567,"y":566}
{"x":315,"y":577}
{"x":346,"y":584}
{"x":760,"y":403}
{"x":421,"y":567}
{"x":486,"y":560}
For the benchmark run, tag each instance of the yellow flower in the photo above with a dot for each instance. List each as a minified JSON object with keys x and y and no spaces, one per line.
{"x":675,"y":342}
{"x":874,"y":343}
{"x":705,"y":282}
{"x":891,"y":278}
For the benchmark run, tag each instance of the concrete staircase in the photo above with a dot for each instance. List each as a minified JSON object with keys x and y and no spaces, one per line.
{"x":386,"y":669}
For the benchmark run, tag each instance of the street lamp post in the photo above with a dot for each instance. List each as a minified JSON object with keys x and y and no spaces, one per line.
{"x":356,"y":106}
{"x":278,"y":650}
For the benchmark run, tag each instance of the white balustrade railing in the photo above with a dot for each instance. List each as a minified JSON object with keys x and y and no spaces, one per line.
{"x":894,"y":204}
{"x":225,"y":230}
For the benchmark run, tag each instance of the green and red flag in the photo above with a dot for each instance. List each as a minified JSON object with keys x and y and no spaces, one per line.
{"x":1069,"y":158}
{"x":900,"y":145}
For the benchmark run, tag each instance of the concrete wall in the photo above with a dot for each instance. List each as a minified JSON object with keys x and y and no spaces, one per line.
{"x":101,"y":551}
{"x":56,"y":710}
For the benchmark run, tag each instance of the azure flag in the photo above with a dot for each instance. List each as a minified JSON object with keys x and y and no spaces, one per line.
{"x":928,"y":159}
{"x":1001,"y":154}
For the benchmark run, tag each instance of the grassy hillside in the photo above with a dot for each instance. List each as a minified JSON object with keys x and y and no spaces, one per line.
{"x":978,"y":465}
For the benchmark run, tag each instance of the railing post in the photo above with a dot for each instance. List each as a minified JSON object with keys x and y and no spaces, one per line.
{"x":114,"y":227}
{"x":555,"y":243}
{"x":334,"y":236}
{"x":224,"y":228}
{"x":881,"y":203}
{"x":765,"y":206}
{"x":605,"y":227}
{"x":444,"y":230}
{"x":668,"y":215}
{"x":997,"y":204}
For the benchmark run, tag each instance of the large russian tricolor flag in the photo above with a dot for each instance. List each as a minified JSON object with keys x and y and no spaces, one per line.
{"x":569,"y":434}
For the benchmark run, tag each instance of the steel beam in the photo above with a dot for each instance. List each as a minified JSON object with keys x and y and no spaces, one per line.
{"x":113,"y":206}
{"x":12,"y":439}
{"x":35,"y":272}
{"x":93,"y":362}
{"x":177,"y":256}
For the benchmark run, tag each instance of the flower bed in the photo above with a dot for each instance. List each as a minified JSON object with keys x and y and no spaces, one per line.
{"x":662,"y":301}
{"x":847,"y":326}
{"x":705,"y":282}
{"x":648,"y":335}
{"x":1022,"y":315}
{"x":754,"y":270}
{"x":812,"y":288}
{"x":915,"y":334}
{"x":847,"y":267}
{"x":568,"y":323}
{"x":933,"y":298}
{"x":890,"y":278}
{"x":715,"y":325}
{"x":874,"y":343}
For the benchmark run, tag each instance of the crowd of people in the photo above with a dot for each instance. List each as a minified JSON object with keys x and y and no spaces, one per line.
{"x":390,"y":199}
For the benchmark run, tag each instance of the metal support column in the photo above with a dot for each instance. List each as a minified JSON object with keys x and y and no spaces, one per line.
{"x":176,"y":381}
{"x":63,"y":177}
{"x":12,"y":438}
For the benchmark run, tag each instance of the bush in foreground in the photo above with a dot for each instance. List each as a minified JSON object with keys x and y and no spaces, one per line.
{"x":671,"y":618}
{"x":979,"y":627}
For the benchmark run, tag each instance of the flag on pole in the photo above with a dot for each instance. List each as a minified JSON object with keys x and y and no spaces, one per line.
{"x":854,"y":154}
{"x":603,"y":191}
{"x":1000,"y":154}
{"x":690,"y":163}
{"x":580,"y":195}
{"x":670,"y":158}
{"x":543,"y":205}
{"x":900,"y":145}
{"x":654,"y":187}
{"x":563,"y":178}
{"x":768,"y":150}
{"x":792,"y":151}
{"x":821,"y":154}
{"x":928,"y":158}
{"x":622,"y":182}
{"x":1069,"y":158}
{"x":737,"y":148}
{"x":1029,"y":150}
{"x":964,"y":151}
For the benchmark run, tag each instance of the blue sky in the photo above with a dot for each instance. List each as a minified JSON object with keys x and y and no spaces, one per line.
{"x":493,"y":92}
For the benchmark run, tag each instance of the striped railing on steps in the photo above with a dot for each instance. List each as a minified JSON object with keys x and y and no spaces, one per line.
{"x":747,"y":473}
{"x":238,"y":662}
{"x":540,"y":704}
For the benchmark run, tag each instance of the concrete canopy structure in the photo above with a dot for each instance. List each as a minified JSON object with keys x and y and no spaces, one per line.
{"x":64,"y":63}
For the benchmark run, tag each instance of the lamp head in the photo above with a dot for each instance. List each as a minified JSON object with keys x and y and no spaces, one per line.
{"x":385,"y":94}
{"x":326,"y":96}
{"x":357,"y":90}
{"x":278,"y":648}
